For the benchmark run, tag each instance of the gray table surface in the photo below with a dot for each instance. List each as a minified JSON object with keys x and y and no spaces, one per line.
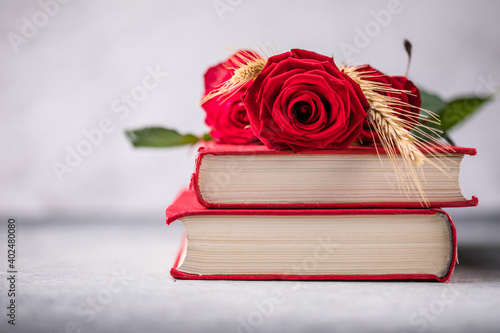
{"x":107,"y":274}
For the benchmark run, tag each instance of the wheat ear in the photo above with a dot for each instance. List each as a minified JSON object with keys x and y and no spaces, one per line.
{"x":392,"y":133}
{"x":246,"y":70}
{"x":382,"y":115}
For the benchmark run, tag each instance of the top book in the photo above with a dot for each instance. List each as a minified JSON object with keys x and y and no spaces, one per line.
{"x":252,"y":176}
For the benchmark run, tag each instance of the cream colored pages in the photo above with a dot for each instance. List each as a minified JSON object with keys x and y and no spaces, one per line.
{"x":291,"y":179}
{"x":320,"y":244}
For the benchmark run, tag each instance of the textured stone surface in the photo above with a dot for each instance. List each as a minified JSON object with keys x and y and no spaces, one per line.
{"x":68,"y":276}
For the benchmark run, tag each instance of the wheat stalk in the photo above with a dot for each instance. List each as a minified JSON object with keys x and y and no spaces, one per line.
{"x":390,"y":128}
{"x":245,"y":71}
{"x":249,"y":71}
{"x":383,"y":115}
{"x":394,"y":137}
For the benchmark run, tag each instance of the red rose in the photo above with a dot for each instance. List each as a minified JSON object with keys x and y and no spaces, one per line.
{"x":301,"y":100}
{"x":227,"y":116}
{"x":408,"y":112}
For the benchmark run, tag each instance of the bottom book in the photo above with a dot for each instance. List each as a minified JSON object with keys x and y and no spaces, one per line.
{"x":312,"y":244}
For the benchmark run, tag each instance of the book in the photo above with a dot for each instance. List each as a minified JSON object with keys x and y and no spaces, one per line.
{"x":312,"y":244}
{"x":252,"y":176}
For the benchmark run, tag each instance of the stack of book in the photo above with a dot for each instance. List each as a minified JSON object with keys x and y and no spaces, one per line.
{"x":257,"y":214}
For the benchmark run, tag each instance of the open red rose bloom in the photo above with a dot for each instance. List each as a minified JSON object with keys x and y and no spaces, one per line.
{"x":227,"y":116}
{"x":301,"y":100}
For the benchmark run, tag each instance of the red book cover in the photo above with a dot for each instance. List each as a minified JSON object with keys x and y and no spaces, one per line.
{"x":186,"y":204}
{"x":221,"y":150}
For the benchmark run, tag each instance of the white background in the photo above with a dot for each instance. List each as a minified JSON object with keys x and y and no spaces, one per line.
{"x":65,"y":77}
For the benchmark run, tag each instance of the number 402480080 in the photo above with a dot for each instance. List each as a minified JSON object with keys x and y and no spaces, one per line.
{"x":11,"y":243}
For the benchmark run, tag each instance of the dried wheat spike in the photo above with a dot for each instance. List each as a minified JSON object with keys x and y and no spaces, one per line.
{"x":244,"y":72}
{"x":391,"y":131}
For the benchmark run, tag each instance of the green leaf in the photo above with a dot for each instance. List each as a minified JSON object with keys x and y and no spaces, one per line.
{"x":431,"y":102}
{"x":434,"y":103}
{"x":207,"y":137}
{"x":451,"y":113}
{"x":459,"y":109}
{"x":159,"y":137}
{"x":427,"y":131}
